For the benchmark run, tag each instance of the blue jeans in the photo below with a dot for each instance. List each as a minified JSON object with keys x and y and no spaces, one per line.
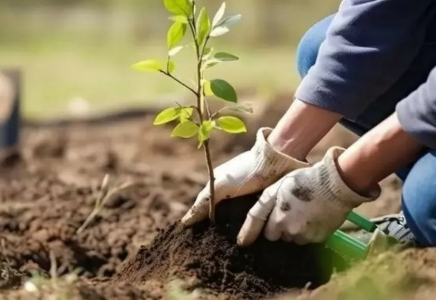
{"x":419,"y":179}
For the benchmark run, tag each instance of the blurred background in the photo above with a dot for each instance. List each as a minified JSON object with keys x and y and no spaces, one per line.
{"x":77,"y":53}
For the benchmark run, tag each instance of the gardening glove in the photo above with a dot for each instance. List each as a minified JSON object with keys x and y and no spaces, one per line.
{"x":247,"y":173}
{"x":305,"y":206}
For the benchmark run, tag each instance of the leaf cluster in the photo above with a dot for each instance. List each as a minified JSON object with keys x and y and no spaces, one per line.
{"x":197,"y":120}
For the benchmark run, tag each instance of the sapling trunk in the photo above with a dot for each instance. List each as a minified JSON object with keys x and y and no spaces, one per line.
{"x":212,"y":183}
{"x":202,"y":29}
{"x":204,"y":114}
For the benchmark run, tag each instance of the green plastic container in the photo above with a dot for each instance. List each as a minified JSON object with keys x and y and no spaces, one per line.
{"x":349,"y":247}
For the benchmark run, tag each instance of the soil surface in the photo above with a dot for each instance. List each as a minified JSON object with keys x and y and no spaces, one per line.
{"x":49,"y":186}
{"x":210,"y":255}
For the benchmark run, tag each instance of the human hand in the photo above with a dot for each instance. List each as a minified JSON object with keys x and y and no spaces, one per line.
{"x":247,"y":173}
{"x":305,"y":206}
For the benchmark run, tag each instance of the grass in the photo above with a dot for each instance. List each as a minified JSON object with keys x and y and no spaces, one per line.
{"x":59,"y":71}
{"x":82,"y":59}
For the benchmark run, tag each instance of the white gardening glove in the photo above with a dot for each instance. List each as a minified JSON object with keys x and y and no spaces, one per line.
{"x":305,"y":206}
{"x":247,"y":173}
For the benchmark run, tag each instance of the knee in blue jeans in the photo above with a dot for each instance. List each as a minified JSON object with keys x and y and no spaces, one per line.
{"x":306,"y":56}
{"x":308,"y":48}
{"x":419,"y":199}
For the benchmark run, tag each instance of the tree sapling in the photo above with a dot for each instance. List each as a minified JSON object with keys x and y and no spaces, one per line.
{"x":198,"y":120}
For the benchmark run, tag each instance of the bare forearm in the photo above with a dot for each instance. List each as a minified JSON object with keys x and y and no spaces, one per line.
{"x":301,"y":128}
{"x":382,"y":151}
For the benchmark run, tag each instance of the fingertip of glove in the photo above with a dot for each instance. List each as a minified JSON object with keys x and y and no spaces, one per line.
{"x":188,"y":220}
{"x":242,"y":240}
{"x":188,"y":217}
{"x":249,"y":231}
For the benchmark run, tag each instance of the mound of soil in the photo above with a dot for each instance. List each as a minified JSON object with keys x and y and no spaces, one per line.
{"x":210,"y":255}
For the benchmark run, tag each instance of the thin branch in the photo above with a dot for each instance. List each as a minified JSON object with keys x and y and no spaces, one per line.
{"x":200,"y":66}
{"x":211,"y":182}
{"x":179,"y":81}
{"x":199,"y":92}
{"x":190,"y":116}
{"x":200,"y":100}
{"x":191,"y":23}
{"x":200,"y":97}
{"x":193,"y":26}
{"x":204,"y":45}
{"x":197,"y":109}
{"x":168,"y":64}
{"x":207,"y":107}
{"x":220,"y":111}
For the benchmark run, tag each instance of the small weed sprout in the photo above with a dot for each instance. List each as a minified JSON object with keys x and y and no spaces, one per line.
{"x":103,"y":197}
{"x":197,"y":120}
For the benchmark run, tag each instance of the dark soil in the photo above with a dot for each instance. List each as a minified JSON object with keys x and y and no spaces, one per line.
{"x":48,"y":187}
{"x":210,"y":255}
{"x":9,"y":277}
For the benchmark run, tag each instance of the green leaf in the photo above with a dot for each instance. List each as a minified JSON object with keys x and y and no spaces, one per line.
{"x":222,"y":89}
{"x":218,"y":58}
{"x":179,"y":19}
{"x":167,"y":115}
{"x":218,"y":31}
{"x":223,"y":56}
{"x":171,"y":66}
{"x":185,"y":130}
{"x":230,"y":20}
{"x":186,"y":114}
{"x":203,"y":26}
{"x":175,"y":50}
{"x":223,"y":27}
{"x":194,"y":7}
{"x":231,"y":125}
{"x":219,"y":14}
{"x":205,"y":130}
{"x":175,"y":34}
{"x":148,"y":66}
{"x":207,"y":53}
{"x":179,"y":7}
{"x":209,"y":64}
{"x":207,"y":90}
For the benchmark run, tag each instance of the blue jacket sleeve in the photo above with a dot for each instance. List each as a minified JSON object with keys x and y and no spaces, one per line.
{"x":417,"y":112}
{"x":369,"y":45}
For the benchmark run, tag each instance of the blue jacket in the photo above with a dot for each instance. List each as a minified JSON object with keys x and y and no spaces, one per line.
{"x":369,"y":45}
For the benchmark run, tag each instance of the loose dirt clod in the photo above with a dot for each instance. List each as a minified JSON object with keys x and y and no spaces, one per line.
{"x":210,"y":255}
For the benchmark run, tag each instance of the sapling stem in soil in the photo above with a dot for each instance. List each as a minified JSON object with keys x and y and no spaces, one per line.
{"x":197,"y":120}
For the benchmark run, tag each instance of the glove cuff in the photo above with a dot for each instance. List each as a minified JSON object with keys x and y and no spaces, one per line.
{"x":333,"y":185}
{"x":271,"y":162}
